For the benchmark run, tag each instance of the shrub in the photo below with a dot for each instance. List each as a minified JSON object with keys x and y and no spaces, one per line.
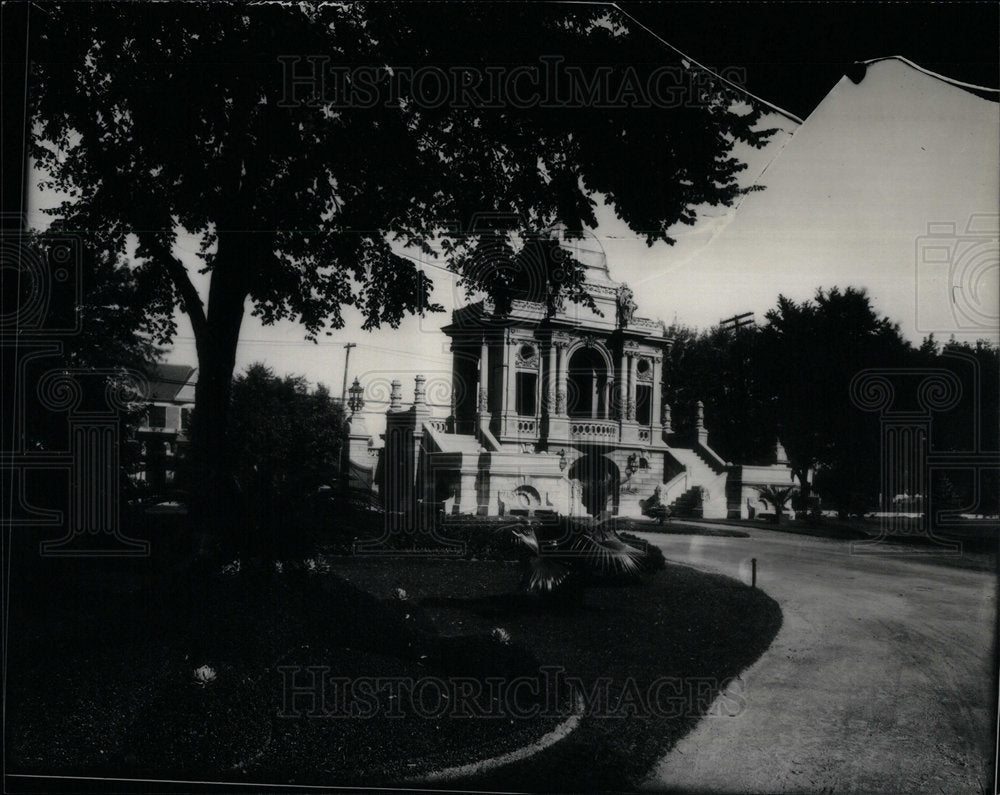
{"x":652,"y":559}
{"x":567,"y":553}
{"x":284,"y":441}
{"x":654,"y":507}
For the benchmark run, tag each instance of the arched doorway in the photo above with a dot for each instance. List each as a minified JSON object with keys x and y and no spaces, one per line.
{"x":588,"y":385}
{"x":599,"y":480}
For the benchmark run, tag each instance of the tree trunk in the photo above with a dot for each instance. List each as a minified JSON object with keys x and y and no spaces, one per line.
{"x":214,"y":504}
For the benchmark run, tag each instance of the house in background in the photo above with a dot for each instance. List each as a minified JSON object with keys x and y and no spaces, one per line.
{"x":162,"y":434}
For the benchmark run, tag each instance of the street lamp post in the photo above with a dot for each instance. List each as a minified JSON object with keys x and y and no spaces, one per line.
{"x":357,"y":400}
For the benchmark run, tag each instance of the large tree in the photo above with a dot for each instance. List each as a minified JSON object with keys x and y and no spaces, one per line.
{"x":722,"y":368}
{"x":170,"y":117}
{"x":810,"y":351}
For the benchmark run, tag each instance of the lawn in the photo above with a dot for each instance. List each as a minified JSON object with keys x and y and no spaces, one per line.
{"x":651,"y":658}
{"x":103,"y":657}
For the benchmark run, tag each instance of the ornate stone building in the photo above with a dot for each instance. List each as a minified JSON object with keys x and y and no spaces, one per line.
{"x":554,"y":408}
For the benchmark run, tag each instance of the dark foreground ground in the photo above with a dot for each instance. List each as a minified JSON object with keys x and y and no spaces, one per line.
{"x":103,"y":654}
{"x":651,"y":658}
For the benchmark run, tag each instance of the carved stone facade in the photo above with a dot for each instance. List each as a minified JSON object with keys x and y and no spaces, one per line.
{"x":553,"y":407}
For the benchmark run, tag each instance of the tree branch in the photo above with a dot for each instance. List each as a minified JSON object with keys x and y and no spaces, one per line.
{"x":190,"y":299}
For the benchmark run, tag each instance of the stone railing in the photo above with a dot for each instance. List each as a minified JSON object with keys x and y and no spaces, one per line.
{"x":607,"y":429}
{"x":527,"y":426}
{"x":647,"y":323}
{"x":439,"y":424}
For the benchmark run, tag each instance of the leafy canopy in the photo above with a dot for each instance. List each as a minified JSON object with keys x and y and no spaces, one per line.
{"x":164,"y":117}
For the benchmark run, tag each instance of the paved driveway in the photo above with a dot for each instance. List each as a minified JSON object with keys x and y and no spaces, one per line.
{"x":881,"y":678}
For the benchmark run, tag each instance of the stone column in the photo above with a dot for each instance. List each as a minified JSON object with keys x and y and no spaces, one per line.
{"x":622,"y":387}
{"x":633,"y":373}
{"x":700,"y":424}
{"x":423,"y":488}
{"x":510,"y":377}
{"x":550,"y":377}
{"x":561,"y":386}
{"x":654,"y":410}
{"x":396,"y":395}
{"x":484,"y":377}
{"x":419,"y":393}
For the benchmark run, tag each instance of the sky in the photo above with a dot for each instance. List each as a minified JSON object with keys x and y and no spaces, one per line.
{"x":858,"y":194}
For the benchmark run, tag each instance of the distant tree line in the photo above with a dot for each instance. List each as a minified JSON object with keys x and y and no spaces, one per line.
{"x":790,"y":378}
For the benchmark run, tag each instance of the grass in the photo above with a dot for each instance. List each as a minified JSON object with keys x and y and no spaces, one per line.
{"x":101,"y":679}
{"x":689,"y":630}
{"x":103,"y":652}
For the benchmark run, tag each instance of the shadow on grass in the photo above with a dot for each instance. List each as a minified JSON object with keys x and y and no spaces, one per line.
{"x":689,"y":632}
{"x":101,"y":677}
{"x":501,"y":606}
{"x":102,"y":656}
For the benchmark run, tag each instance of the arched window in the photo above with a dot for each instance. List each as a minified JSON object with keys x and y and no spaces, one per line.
{"x":588,"y":385}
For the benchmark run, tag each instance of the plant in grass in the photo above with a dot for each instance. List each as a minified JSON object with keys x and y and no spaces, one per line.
{"x":654,"y":507}
{"x":583,"y":550}
{"x":204,"y":675}
{"x":777,"y":497}
{"x":652,"y":559}
{"x":500,"y":635}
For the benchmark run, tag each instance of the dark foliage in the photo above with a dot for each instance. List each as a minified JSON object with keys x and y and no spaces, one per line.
{"x":723,"y":369}
{"x":172,"y":117}
{"x":791,"y":378}
{"x":98,"y":347}
{"x":285,"y":444}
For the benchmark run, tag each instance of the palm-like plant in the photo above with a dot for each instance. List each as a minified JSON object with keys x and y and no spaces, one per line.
{"x":583,"y":548}
{"x":543,"y":573}
{"x":777,"y":497}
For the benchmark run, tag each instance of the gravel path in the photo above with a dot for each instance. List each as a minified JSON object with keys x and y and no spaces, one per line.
{"x":881,"y":678}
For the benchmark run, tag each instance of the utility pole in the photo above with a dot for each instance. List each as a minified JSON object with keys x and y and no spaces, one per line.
{"x":347,"y":358}
{"x":737,"y":321}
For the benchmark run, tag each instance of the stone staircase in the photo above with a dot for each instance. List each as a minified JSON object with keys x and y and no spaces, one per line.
{"x":688,"y":504}
{"x":640,"y":487}
{"x":703,"y":471}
